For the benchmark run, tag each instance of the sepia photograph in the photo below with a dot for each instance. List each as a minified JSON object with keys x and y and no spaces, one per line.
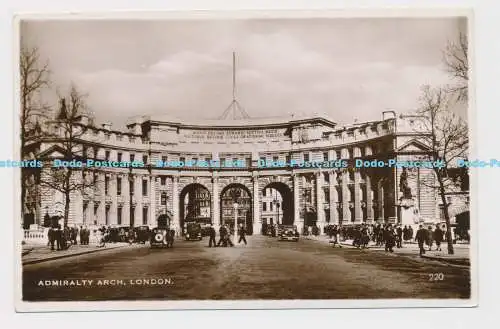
{"x":217,"y":158}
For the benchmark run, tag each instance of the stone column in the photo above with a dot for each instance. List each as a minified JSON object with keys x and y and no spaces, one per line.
{"x":358,"y":214}
{"x":138,"y":198}
{"x":256,"y":204}
{"x":112,"y":193}
{"x":152,"y":201}
{"x":215,"y":202}
{"x":296,"y":204}
{"x":320,"y":208}
{"x":381,"y":212}
{"x":346,"y":198}
{"x":369,"y":198}
{"x":126,"y":199}
{"x":101,"y":212}
{"x":175,"y":204}
{"x":334,"y":219}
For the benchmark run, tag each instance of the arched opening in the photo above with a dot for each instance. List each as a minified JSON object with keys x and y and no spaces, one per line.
{"x":195,"y":205}
{"x":277,"y":205}
{"x":239,"y":194}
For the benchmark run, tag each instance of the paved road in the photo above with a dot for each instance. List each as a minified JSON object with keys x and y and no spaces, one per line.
{"x":265,"y":269}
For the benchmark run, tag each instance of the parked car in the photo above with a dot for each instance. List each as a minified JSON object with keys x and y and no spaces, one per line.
{"x":141,"y":234}
{"x":288,"y":233}
{"x":192,"y":231}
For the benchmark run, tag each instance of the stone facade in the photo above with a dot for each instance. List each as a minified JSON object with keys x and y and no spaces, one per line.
{"x":310,"y":195}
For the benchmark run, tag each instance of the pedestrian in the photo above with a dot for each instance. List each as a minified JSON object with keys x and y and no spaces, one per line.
{"x":241,"y":233}
{"x":429,"y":238}
{"x":410,"y":233}
{"x":389,"y":238}
{"x":212,"y":236}
{"x":227,"y":239}
{"x":399,"y":231}
{"x":438,"y":237}
{"x":222,"y":236}
{"x":52,"y":237}
{"x":58,"y":237}
{"x":421,"y":238}
{"x":405,"y":233}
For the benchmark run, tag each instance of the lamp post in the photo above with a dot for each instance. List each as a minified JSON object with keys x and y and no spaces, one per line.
{"x":235,"y":205}
{"x":276,"y":204}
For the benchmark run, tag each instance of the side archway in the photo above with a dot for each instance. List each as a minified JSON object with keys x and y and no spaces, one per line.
{"x":195,"y":205}
{"x":278,"y":208}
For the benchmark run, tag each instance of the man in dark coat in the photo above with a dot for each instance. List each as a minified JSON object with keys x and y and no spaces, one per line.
{"x":399,"y":231}
{"x":389,"y":238}
{"x":58,"y":237}
{"x":438,"y":237}
{"x":421,"y":238}
{"x":241,"y":233}
{"x":211,"y":233}
{"x":222,"y":236}
{"x":52,"y":237}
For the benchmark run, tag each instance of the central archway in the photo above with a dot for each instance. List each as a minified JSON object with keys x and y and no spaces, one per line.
{"x":240,"y":194}
{"x":195,"y":205}
{"x":277,"y":204}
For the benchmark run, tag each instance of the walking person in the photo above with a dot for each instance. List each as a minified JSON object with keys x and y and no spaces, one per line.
{"x":421,"y":238}
{"x":438,"y":237}
{"x":389,"y":238}
{"x":222,"y":235}
{"x":212,"y":236}
{"x":429,"y":238}
{"x":241,"y":233}
{"x":399,"y":232}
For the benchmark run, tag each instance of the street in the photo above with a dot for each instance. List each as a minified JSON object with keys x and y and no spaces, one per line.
{"x":264,"y":269}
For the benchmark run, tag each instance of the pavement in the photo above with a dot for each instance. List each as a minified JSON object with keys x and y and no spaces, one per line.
{"x":265,"y":269}
{"x":36,"y":253}
{"x":461,"y":254}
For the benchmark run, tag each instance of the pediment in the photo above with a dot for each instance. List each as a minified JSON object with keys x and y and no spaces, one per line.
{"x":54,"y":151}
{"x":413,"y":146}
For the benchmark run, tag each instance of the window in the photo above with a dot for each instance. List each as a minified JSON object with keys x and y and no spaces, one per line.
{"x":132,"y":157}
{"x":164,"y":159}
{"x":275,"y":159}
{"x":325,"y":156}
{"x":264,"y":206}
{"x":222,"y":162}
{"x":288,"y":159}
{"x":131,"y":187}
{"x":163,"y":180}
{"x":306,"y":157}
{"x":119,"y":215}
{"x":119,"y":138}
{"x":338,"y":154}
{"x":271,"y":206}
{"x":119,"y":157}
{"x":263,"y":159}
{"x":107,"y":155}
{"x":163,"y":199}
{"x":145,"y":159}
{"x":144,"y":187}
{"x":264,"y":192}
{"x":118,"y":186}
{"x":183,"y":160}
{"x":106,"y":185}
{"x":248,"y":162}
{"x":107,"y":136}
{"x":145,"y":216}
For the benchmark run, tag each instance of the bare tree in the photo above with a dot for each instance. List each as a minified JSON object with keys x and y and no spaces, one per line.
{"x":457,"y":64}
{"x":68,"y":131}
{"x":34,"y":77}
{"x":446,"y":134}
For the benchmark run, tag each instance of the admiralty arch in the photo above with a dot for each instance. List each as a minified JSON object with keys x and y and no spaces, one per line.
{"x":308,"y":196}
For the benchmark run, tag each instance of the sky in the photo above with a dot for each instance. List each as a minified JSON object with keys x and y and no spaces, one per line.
{"x":346,"y":68}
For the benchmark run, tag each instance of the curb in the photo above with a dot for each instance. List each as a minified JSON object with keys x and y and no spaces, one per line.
{"x":454,"y":261}
{"x":36,"y":261}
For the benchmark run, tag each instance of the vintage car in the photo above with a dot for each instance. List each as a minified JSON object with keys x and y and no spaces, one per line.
{"x":141,"y":234}
{"x":192,"y":231}
{"x":162,"y":235}
{"x":288,"y":233}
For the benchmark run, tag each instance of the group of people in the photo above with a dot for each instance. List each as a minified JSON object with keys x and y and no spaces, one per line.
{"x":428,"y":237}
{"x":61,"y":238}
{"x":225,"y":236}
{"x":389,"y":236}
